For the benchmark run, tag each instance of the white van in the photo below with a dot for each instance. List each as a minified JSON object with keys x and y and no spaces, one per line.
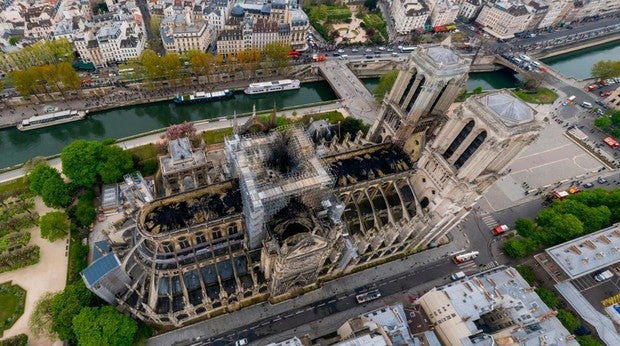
{"x":524,"y":57}
{"x":607,"y":274}
{"x":536,"y":63}
{"x":587,"y":105}
{"x":457,"y":276}
{"x":517,"y":61}
{"x":343,"y":57}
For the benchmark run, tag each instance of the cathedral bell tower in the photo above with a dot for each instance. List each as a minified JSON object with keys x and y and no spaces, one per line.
{"x":424,"y":90}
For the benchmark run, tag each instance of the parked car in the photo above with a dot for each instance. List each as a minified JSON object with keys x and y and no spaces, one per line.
{"x":241,"y":342}
{"x":588,"y":185}
{"x":604,"y":93}
{"x":602,"y":180}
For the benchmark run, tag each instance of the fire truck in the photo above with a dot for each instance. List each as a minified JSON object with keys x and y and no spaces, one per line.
{"x":465,"y":257}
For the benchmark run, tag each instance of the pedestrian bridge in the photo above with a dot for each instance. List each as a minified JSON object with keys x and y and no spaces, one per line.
{"x":352,"y":93}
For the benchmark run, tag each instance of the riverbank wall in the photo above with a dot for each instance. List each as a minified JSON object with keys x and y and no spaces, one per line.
{"x":552,"y":52}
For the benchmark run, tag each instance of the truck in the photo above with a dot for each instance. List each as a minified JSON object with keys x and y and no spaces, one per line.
{"x":499,"y":229}
{"x":457,"y":276}
{"x":600,"y":277}
{"x":317,"y":57}
{"x":465,"y":257}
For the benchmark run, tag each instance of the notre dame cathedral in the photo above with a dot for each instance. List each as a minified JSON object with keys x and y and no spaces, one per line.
{"x":273,"y":211}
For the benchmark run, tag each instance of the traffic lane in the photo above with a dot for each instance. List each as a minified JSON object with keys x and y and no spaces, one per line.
{"x":440,"y":269}
{"x":479,"y":237}
{"x":577,"y":29}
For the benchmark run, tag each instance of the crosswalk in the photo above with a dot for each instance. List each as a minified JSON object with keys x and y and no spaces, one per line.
{"x":489,"y":220}
{"x":469,"y":266}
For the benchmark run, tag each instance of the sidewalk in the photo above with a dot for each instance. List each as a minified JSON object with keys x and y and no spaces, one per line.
{"x":232,"y":321}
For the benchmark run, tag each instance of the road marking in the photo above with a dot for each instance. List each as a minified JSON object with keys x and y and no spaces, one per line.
{"x":331,"y":301}
{"x":320,"y":305}
{"x":341,"y":298}
{"x":277,"y":319}
{"x":393,"y":280}
{"x":253,"y":327}
{"x":289,"y":316}
{"x":264,"y":323}
{"x":309,"y":309}
{"x":301,"y":311}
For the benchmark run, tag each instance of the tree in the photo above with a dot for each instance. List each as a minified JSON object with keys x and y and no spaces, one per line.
{"x":68,"y":76}
{"x":351,"y":126}
{"x":602,"y":122}
{"x":54,"y":225}
{"x":67,"y":305}
{"x":528,"y":274}
{"x":40,"y":322}
{"x":151,"y":63}
{"x":518,"y":248}
{"x":176,"y":131}
{"x":115,"y":162}
{"x":565,"y":227}
{"x":478,"y":90}
{"x":587,"y":340}
{"x":386,"y":82}
{"x":526,"y":228}
{"x":104,"y":326}
{"x":531,"y":82}
{"x":84,"y":212}
{"x":277,"y":54}
{"x":569,"y":320}
{"x":80,"y":162}
{"x":605,"y":69}
{"x":171,"y":66}
{"x":370,"y":4}
{"x":46,"y":182}
{"x":13,"y":40}
{"x":39,"y":175}
{"x":548,"y":297}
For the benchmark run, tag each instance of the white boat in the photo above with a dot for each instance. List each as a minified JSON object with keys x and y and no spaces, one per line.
{"x":202,"y":96}
{"x":51,"y":119}
{"x":269,"y":87}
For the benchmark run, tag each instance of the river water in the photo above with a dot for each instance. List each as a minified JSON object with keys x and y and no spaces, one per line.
{"x":17,"y":146}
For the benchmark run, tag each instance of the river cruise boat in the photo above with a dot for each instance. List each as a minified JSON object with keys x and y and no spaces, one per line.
{"x":202,"y":96}
{"x":274,"y":86}
{"x":51,"y":119}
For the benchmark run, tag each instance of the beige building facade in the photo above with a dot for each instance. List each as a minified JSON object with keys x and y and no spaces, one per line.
{"x":504,"y":18}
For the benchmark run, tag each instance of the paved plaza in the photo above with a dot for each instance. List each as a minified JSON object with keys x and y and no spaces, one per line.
{"x":552,"y":161}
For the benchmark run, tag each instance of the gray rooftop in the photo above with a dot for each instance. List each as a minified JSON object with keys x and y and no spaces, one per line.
{"x":442,"y":55}
{"x":589,"y":253}
{"x":100,"y":268}
{"x":509,"y":109}
{"x":394,"y":321}
{"x":180,"y":149}
{"x":476,"y":296}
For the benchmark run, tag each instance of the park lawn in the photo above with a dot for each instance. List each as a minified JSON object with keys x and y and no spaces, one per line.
{"x":541,"y":96}
{"x":144,"y":152}
{"x":216,"y":136}
{"x":9,"y":305}
{"x":374,"y":21}
{"x":13,"y":185}
{"x":338,"y":13}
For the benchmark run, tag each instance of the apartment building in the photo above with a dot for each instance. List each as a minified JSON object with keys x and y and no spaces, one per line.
{"x":554,"y":13}
{"x":504,"y":18}
{"x":257,"y":25}
{"x":538,"y":9}
{"x":409,"y":15}
{"x":181,"y":33}
{"x":469,"y":9}
{"x":444,"y":12}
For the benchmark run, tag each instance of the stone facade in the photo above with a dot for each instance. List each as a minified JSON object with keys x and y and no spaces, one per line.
{"x":282,"y":210}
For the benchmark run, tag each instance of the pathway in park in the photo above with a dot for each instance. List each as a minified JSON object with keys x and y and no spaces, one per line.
{"x":49,"y":275}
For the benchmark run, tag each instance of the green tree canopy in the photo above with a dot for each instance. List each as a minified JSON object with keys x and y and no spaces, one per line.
{"x":84,"y":212}
{"x":565,"y":227}
{"x":46,"y":182}
{"x":171,"y":66}
{"x":605,"y":69}
{"x":67,"y":305}
{"x":602,"y":122}
{"x":587,"y":340}
{"x":548,"y":297}
{"x":151,"y":63}
{"x":80,"y":162}
{"x":519,"y":248}
{"x":569,"y":320}
{"x":54,"y":225}
{"x":115,"y":162}
{"x":104,"y":326}
{"x":351,"y":126}
{"x":86,"y":162}
{"x":386,"y":82}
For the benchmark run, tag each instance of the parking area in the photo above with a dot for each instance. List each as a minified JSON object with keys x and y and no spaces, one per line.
{"x":595,"y":292}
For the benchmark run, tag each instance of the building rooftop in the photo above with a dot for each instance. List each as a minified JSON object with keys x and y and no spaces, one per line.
{"x":100,"y":268}
{"x":368,"y":164}
{"x":442,"y":55}
{"x":493,"y":307}
{"x":181,"y":156}
{"x":589,"y":253}
{"x":508,"y":108}
{"x":394,"y":321}
{"x":199,"y":206}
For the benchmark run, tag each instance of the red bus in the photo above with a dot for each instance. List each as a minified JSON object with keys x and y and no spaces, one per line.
{"x":611,"y":142}
{"x":294,"y":54}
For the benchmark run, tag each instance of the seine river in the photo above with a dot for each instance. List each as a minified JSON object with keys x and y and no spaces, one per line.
{"x":17,"y":147}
